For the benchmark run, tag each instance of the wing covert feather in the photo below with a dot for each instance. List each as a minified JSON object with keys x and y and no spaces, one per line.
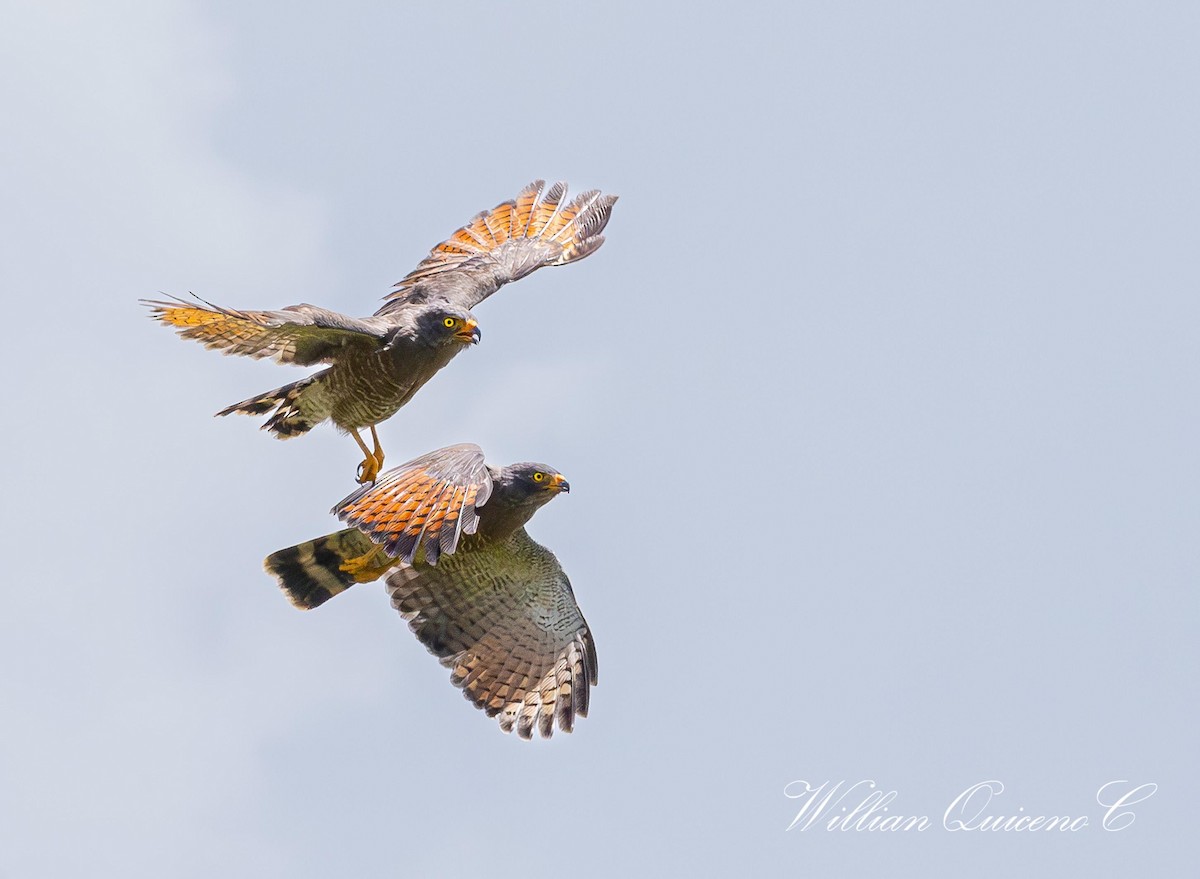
{"x":429,"y":501}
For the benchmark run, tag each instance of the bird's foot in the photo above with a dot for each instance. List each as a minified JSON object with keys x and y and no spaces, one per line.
{"x":369,"y":566}
{"x":369,"y":469}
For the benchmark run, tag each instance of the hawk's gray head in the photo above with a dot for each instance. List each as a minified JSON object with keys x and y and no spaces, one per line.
{"x":440,"y":323}
{"x":528,"y":484}
{"x":518,"y":491}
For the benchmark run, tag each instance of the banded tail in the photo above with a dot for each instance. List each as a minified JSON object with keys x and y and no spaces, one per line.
{"x":299,"y":407}
{"x":312,"y":572}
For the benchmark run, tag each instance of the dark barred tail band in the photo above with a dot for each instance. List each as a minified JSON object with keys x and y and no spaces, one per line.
{"x":311,"y":573}
{"x":290,"y":418}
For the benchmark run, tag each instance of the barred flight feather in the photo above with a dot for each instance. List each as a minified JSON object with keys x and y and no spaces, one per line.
{"x":515,"y":238}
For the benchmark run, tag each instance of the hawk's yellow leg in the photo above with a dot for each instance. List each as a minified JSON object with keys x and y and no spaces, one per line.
{"x":373,"y":460}
{"x":371,"y":565}
{"x":378,"y":448}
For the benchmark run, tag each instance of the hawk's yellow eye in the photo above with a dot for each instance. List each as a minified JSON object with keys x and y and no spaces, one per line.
{"x":449,"y":322}
{"x":539,"y":476}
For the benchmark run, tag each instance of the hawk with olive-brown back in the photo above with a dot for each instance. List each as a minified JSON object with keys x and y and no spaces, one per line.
{"x":448,"y":533}
{"x":376,"y":364}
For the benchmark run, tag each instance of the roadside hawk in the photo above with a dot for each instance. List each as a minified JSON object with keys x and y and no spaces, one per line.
{"x":448,"y":533}
{"x":376,"y":364}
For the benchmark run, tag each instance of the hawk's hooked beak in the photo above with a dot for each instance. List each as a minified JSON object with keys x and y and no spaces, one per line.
{"x":470,"y":332}
{"x":559,"y":483}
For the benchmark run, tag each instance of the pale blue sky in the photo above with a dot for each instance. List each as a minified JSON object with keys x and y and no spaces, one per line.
{"x":879,"y":411}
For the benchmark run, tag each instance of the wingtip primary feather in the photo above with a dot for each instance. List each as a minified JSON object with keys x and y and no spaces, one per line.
{"x":536,"y":228}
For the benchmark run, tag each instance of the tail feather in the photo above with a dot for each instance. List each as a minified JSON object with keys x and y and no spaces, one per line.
{"x":312,"y":572}
{"x":292,"y":416}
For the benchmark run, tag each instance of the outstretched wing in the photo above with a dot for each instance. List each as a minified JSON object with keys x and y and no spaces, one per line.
{"x":502,"y":617}
{"x":504,"y":244}
{"x":430,"y":502}
{"x":299,"y":334}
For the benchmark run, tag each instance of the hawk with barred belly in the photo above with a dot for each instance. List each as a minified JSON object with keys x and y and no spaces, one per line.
{"x":447,"y":531}
{"x":375,"y":365}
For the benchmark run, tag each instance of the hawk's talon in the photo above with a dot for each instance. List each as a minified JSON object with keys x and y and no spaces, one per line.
{"x":372,"y":459}
{"x":364,"y":568}
{"x":367,"y":470}
{"x":355,"y":565}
